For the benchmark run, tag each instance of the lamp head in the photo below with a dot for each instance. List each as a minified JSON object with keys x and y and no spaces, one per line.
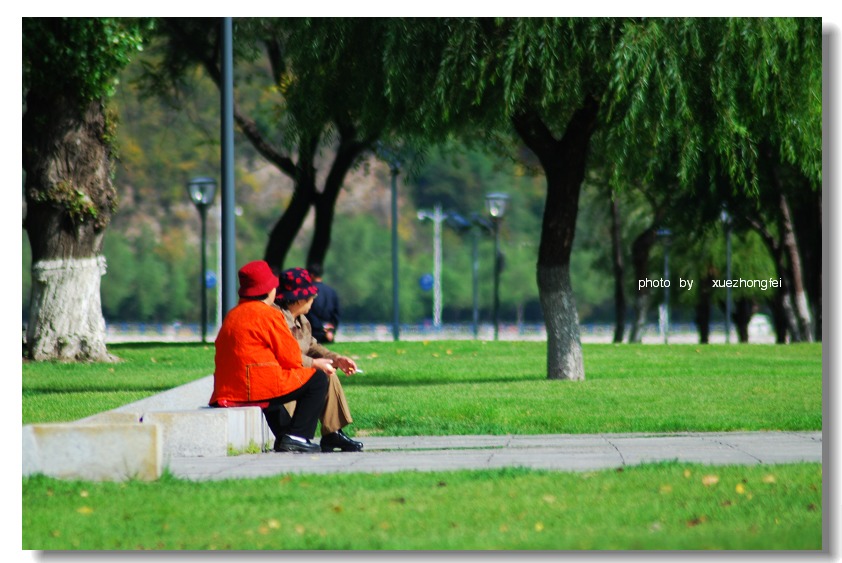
{"x":202,"y":191}
{"x":495,"y":203}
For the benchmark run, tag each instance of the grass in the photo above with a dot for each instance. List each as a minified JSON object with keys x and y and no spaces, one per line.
{"x":463,"y":388}
{"x":467,"y":387}
{"x":653,"y":507}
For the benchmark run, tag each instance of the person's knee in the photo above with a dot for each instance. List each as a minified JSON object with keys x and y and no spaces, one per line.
{"x":319,"y":381}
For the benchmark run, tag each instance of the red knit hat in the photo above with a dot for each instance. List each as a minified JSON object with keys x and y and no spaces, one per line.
{"x":256,"y":278}
{"x":296,"y":284}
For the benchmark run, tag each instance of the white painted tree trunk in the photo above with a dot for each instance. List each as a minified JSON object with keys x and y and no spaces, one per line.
{"x":564,"y":345}
{"x":65,"y":320}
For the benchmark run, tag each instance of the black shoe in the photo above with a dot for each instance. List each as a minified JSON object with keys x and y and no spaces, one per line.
{"x":290,"y":443}
{"x":338,"y":439}
{"x":280,"y":435}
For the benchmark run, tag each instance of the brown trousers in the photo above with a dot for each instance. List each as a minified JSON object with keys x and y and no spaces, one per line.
{"x":336,"y":413}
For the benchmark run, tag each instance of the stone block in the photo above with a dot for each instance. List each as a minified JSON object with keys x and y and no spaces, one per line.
{"x":208,"y":432}
{"x":93,"y":452}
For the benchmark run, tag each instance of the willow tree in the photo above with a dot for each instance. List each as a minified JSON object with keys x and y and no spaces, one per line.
{"x":738,"y":102}
{"x":69,"y":71}
{"x":308,"y":98}
{"x":554,"y":84}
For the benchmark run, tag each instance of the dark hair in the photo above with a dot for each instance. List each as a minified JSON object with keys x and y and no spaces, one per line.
{"x":263,"y":297}
{"x":283,"y":303}
{"x":315,"y":270}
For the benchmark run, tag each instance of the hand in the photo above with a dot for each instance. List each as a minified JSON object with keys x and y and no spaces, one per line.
{"x":325,"y":365}
{"x":347,"y":365}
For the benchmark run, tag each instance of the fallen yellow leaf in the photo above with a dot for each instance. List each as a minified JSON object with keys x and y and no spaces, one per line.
{"x":274,"y":524}
{"x":769,"y":478}
{"x":539,"y":526}
{"x":549,"y":499}
{"x":85,"y":510}
{"x":666,"y":489}
{"x":709,"y":480}
{"x":740,"y":489}
{"x":687,"y":473}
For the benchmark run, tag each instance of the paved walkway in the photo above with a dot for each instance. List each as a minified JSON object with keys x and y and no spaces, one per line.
{"x":557,"y":452}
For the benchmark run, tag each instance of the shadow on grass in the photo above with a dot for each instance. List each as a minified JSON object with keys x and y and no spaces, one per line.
{"x":52,"y":390}
{"x":381,"y":381}
{"x":148,"y":345}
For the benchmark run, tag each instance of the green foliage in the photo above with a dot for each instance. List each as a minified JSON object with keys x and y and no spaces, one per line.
{"x":142,"y":285}
{"x":79,"y":55}
{"x":650,"y":507}
{"x":706,"y":92}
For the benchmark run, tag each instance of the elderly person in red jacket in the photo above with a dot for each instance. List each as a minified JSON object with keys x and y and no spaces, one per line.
{"x":258,"y":362}
{"x":295,"y":296}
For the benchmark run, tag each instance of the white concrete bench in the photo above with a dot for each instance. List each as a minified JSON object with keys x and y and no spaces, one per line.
{"x":137,"y":440}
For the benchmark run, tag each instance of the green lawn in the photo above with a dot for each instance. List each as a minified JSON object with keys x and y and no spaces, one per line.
{"x":665,"y":506}
{"x":467,"y":387}
{"x":463,"y":388}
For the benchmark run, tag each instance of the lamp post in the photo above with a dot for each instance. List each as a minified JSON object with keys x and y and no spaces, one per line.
{"x":665,"y":236}
{"x":495,"y":204}
{"x":202,"y":191}
{"x":437,"y":217}
{"x":726,"y":220}
{"x":474,"y":225}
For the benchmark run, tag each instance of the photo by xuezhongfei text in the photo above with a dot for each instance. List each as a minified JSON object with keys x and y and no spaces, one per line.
{"x":763,"y":284}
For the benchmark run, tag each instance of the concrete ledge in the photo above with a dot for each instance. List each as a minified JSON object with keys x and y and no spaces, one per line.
{"x":208,"y":432}
{"x":94,"y":452}
{"x":193,"y":395}
{"x":134,"y":440}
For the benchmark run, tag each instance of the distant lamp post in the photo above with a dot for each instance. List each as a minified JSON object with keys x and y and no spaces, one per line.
{"x":725,"y":217}
{"x":393,"y":157}
{"x":437,"y":217}
{"x":473,"y":224}
{"x":495,"y":204}
{"x":202,"y":191}
{"x":665,"y":235}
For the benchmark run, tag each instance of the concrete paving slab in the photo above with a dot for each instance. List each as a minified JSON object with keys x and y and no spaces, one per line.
{"x":552,"y":452}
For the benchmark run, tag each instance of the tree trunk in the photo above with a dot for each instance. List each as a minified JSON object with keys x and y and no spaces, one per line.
{"x":779,"y":321}
{"x":325,"y":202}
{"x":619,"y":272}
{"x":799,"y":295}
{"x":703,"y":307}
{"x":743,"y":311}
{"x":641,"y":247}
{"x":69,"y":203}
{"x":564,"y":346}
{"x":563,"y":162}
{"x":304,"y":193}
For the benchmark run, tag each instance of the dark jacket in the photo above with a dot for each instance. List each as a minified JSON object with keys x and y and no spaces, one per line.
{"x":324,"y":313}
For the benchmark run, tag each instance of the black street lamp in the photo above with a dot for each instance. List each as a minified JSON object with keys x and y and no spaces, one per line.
{"x":395,"y":169}
{"x":202,"y":191}
{"x":495,"y":204}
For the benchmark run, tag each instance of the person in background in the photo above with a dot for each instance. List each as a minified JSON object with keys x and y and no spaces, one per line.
{"x":324,"y":314}
{"x":295,"y":297}
{"x":258,"y":363}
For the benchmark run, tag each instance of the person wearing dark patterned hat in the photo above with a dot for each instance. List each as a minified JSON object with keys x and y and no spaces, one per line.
{"x":295,"y":295}
{"x":257,"y":363}
{"x":324,"y":314}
